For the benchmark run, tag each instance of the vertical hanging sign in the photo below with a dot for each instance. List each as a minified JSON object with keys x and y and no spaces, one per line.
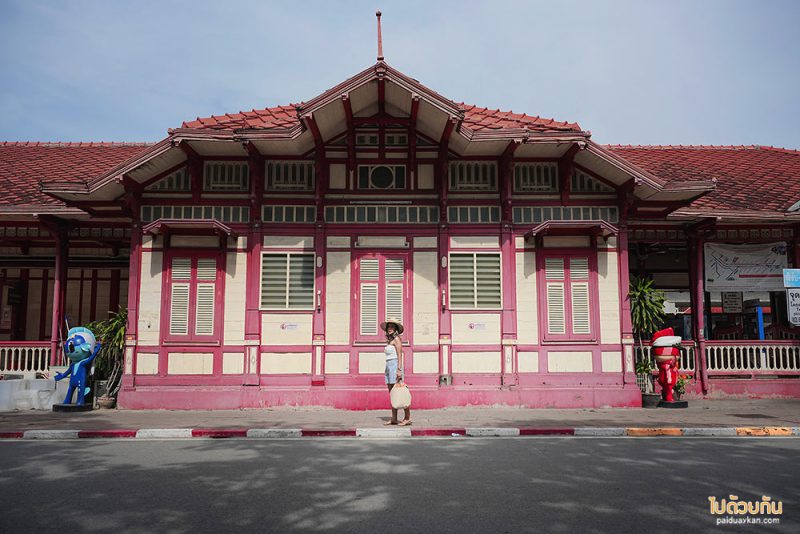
{"x":793,"y":303}
{"x":731,"y":302}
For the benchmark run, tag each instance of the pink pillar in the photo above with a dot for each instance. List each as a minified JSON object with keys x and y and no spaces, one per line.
{"x":698,"y":307}
{"x":629,"y":375}
{"x":317,"y":357}
{"x":443,"y":302}
{"x":59,"y":291}
{"x":252,"y":318}
{"x":134,"y":289}
{"x":509,"y":314}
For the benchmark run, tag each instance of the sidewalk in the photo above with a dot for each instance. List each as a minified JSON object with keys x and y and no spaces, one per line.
{"x":703,"y":413}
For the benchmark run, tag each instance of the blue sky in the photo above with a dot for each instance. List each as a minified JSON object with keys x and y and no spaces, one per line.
{"x":646,"y":72}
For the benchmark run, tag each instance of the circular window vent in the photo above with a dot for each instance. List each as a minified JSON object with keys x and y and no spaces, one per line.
{"x":382,"y":177}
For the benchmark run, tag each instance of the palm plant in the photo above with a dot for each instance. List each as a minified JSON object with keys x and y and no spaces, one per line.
{"x":647,"y":316}
{"x":109,"y":362}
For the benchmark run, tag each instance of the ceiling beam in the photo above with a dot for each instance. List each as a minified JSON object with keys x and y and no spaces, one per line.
{"x":506,"y":176}
{"x":381,"y":113}
{"x":565,"y":168}
{"x":130,"y":185}
{"x":412,"y":138}
{"x":627,"y":200}
{"x":255,"y":164}
{"x":320,"y":160}
{"x":195,"y":166}
{"x":351,"y":136}
{"x":441,"y":165}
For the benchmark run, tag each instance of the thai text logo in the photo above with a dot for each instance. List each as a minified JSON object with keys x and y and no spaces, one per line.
{"x":742,"y":512}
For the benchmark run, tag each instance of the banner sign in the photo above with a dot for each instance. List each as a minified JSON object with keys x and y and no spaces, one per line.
{"x":752,"y":267}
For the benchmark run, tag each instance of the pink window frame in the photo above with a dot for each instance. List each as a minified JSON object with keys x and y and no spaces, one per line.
{"x":474,"y":251}
{"x":166,"y":301}
{"x":355,"y":318}
{"x":594,"y":295}
{"x":278,"y":252}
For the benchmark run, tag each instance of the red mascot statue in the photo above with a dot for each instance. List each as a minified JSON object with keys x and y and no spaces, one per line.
{"x":665,"y":351}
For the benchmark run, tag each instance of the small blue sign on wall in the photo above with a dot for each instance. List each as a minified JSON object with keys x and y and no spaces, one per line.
{"x":791,"y":278}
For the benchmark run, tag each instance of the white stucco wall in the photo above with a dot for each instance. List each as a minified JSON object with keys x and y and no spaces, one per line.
{"x":235,"y":289}
{"x":426,"y":301}
{"x":150,"y":297}
{"x":337,"y":298}
{"x":286,"y":329}
{"x":569,"y":362}
{"x":190,"y":363}
{"x":273,"y":363}
{"x":608,"y":290}
{"x":476,"y":362}
{"x":527,"y":319}
{"x":476,"y":328}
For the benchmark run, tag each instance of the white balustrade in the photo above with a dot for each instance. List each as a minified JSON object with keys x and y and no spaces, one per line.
{"x":686,"y":359}
{"x":752,"y":357}
{"x":24,"y":357}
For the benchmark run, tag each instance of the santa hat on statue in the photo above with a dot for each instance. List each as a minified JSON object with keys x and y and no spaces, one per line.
{"x":666,"y":338}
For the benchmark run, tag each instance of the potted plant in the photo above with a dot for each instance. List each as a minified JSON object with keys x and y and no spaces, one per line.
{"x":109,"y":362}
{"x":647,"y":316}
{"x":680,"y":385}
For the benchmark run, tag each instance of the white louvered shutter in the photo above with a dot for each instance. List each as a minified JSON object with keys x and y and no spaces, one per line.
{"x":207,"y":269}
{"x":554,"y":282}
{"x":301,"y":281}
{"x":395,"y":274}
{"x":394,"y":301}
{"x":179,"y":309}
{"x":204,"y":303}
{"x":395,"y":269}
{"x":181,"y":269}
{"x":579,"y":294}
{"x":204,"y":318}
{"x":287,"y":281}
{"x":462,"y":281}
{"x":488,"y":280}
{"x":274,"y":270}
{"x":369,"y":269}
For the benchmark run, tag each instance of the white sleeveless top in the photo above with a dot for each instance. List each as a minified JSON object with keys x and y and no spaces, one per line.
{"x":390,"y":352}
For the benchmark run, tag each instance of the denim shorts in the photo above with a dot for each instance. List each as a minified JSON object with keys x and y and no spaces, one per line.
{"x":391,"y":371}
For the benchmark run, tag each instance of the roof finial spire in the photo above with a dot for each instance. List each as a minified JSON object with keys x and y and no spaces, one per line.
{"x":380,"y":40}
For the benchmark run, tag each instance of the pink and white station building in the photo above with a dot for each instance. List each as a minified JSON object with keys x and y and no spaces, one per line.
{"x":258,"y":251}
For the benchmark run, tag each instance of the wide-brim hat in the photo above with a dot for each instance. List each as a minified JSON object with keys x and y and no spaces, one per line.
{"x":396,"y":322}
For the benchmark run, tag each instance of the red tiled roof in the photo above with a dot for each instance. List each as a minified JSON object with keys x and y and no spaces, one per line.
{"x":24,"y":164}
{"x":278,"y":117}
{"x":754,"y":177}
{"x":285,"y":117}
{"x":475,"y":118}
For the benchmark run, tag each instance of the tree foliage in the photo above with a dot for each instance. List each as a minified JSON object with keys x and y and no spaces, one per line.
{"x":109,"y":362}
{"x":647,"y":316}
{"x":647,"y":306}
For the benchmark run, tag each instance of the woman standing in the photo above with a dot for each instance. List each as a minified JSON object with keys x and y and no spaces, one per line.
{"x":394,"y":363}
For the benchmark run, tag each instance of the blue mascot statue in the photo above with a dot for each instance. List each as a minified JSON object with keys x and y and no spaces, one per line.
{"x":81,"y":348}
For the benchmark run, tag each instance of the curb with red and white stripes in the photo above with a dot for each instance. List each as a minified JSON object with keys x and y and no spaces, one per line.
{"x":401,"y":432}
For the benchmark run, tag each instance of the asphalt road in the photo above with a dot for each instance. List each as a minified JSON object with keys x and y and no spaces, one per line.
{"x":378,"y":486}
